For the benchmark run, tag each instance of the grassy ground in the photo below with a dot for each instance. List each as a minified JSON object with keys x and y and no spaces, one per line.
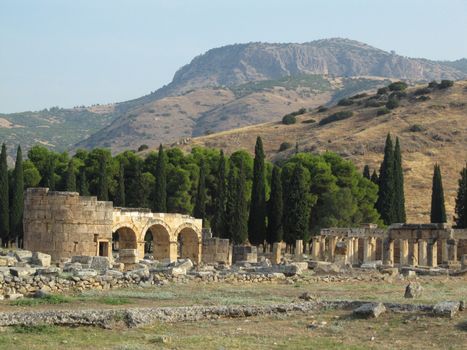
{"x":337,"y":331}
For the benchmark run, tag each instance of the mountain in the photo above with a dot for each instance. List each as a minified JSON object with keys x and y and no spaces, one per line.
{"x":430,"y":123}
{"x":227,"y":87}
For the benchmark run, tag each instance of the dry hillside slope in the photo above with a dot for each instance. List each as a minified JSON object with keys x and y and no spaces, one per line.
{"x":430,"y":130}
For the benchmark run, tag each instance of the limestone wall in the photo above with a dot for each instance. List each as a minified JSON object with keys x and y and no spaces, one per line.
{"x":217,"y":250}
{"x":64,"y":224}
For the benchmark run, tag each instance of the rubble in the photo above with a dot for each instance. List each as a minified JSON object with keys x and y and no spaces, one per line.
{"x":413,"y":290}
{"x":446,"y":308}
{"x":370,"y":310}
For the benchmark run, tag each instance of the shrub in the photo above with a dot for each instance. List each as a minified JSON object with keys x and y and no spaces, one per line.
{"x":398,"y":95}
{"x":423,"y":98}
{"x":422,"y":91}
{"x":445,"y":84}
{"x":345,"y":102}
{"x":392,"y":103}
{"x":374,"y":103}
{"x":142,"y":148}
{"x":398,"y":86}
{"x":382,"y":91}
{"x":322,"y":109}
{"x":289,"y":119}
{"x":433,"y":84}
{"x":416,"y":128}
{"x":309,"y":121}
{"x":382,"y":111}
{"x":357,"y":96}
{"x":336,"y":117}
{"x":284,"y":146}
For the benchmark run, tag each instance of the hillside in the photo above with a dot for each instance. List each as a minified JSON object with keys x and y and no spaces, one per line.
{"x":431,"y":129}
{"x":224,"y":88}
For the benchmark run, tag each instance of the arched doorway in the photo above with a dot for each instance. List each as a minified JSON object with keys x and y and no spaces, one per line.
{"x":157,"y":242}
{"x":125,"y":238}
{"x":188,"y":244}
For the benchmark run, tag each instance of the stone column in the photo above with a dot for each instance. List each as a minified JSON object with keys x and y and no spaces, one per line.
{"x":276,"y":253}
{"x":315,"y":248}
{"x":452,"y":249}
{"x":355,"y":251}
{"x":413,"y":258}
{"x":432,"y":251}
{"x":349,"y":243}
{"x":388,"y":252}
{"x":444,"y":251}
{"x":404,"y":252}
{"x":322,"y":247}
{"x":369,"y":249}
{"x":298,"y":247}
{"x":422,"y":253}
{"x":173,"y":254}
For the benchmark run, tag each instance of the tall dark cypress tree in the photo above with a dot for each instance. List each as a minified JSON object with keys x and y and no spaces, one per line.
{"x":366,"y":172}
{"x":50,"y":173}
{"x":230,"y":205}
{"x":70,"y":181}
{"x":461,"y":201}
{"x":17,"y":205}
{"x":4,"y":199}
{"x":83,"y":186}
{"x":200,"y":201}
{"x":103,"y":184}
{"x":374,"y":177}
{"x":275,"y":208}
{"x":218,"y":221}
{"x":120,"y":195}
{"x":296,"y":207}
{"x":399,"y":197}
{"x":385,"y":203}
{"x":236,"y":207}
{"x":438,"y":210}
{"x":160,"y":193}
{"x":138,"y":197}
{"x":257,"y":217}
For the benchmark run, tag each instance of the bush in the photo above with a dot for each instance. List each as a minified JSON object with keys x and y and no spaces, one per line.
{"x":336,"y":117}
{"x":383,"y":111}
{"x":289,"y":119}
{"x":398,"y":86}
{"x":422,"y":91}
{"x":142,"y":148}
{"x":433,"y":84}
{"x":309,"y":121}
{"x":445,"y":84}
{"x":416,"y":128}
{"x":392,"y":103}
{"x":284,"y":146}
{"x":398,"y":95}
{"x":322,"y":109}
{"x":382,"y":91}
{"x":345,"y":102}
{"x":374,"y":103}
{"x":357,"y":96}
{"x":423,"y":98}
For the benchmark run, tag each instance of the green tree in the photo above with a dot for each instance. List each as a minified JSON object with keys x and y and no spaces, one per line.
{"x":16,"y":217}
{"x":296,"y":206}
{"x":160,"y":194}
{"x":218,"y":222}
{"x":257,"y":217}
{"x":4,"y":198}
{"x":385,"y":203}
{"x":374,"y":177}
{"x":399,"y":197}
{"x":461,"y":201}
{"x":119,"y":199}
{"x":83,"y":185}
{"x":275,"y":208}
{"x":438,"y":210}
{"x":49,"y":178}
{"x":103,"y":184}
{"x":138,"y":196}
{"x":366,"y":172}
{"x":236,"y":207}
{"x":70,"y":178}
{"x":200,"y":201}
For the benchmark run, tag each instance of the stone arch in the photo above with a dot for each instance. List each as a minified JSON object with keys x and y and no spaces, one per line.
{"x":189,"y":241}
{"x":127,"y":236}
{"x":159,"y":232}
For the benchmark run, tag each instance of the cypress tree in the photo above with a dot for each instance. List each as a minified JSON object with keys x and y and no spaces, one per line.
{"x":461,"y":201}
{"x":70,"y":181}
{"x":237,"y":213}
{"x":83,"y":186}
{"x":139,"y":192}
{"x":200,"y":202}
{"x":16,"y":214}
{"x":399,"y":197}
{"x":50,"y":173}
{"x":230,"y":204}
{"x":374,"y":177}
{"x":120,"y":195}
{"x":438,"y":210}
{"x":366,"y":172}
{"x":296,"y":207}
{"x":218,"y":221}
{"x":160,"y":194}
{"x":257,"y":217}
{"x":385,"y":203}
{"x":103,"y":185}
{"x":275,"y":208}
{"x":4,"y":199}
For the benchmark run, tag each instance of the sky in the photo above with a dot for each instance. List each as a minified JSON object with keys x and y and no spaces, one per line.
{"x":81,"y":52}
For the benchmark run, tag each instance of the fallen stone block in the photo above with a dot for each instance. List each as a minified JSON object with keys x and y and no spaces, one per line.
{"x":391,"y":271}
{"x":413,"y":290}
{"x":114,"y":273}
{"x":5,"y":271}
{"x":176,"y":271}
{"x":446,"y":308}
{"x":87,"y":273}
{"x":371,"y":265}
{"x":14,"y":296}
{"x":82,"y":259}
{"x":41,"y":259}
{"x":72,"y":267}
{"x":100,"y":263}
{"x":370,"y":310}
{"x":186,"y":264}
{"x":22,"y":271}
{"x":23,"y":255}
{"x":48,"y":271}
{"x":328,"y":268}
{"x":7,"y":261}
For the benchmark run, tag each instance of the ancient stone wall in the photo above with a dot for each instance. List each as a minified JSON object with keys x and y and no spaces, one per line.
{"x":217,"y":250}
{"x":64,"y":224}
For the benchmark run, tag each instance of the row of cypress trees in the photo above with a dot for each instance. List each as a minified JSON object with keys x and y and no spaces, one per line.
{"x":11,"y":198}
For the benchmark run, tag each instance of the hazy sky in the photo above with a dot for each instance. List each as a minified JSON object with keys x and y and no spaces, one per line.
{"x":74,"y":52}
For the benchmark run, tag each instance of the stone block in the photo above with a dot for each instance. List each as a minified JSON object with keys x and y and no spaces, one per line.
{"x":446,"y":308}
{"x":87,"y":273}
{"x":82,"y":259}
{"x":41,"y":259}
{"x":186,"y":264}
{"x":370,"y":310}
{"x":7,"y":261}
{"x":23,"y":255}
{"x":177,"y":271}
{"x":22,"y":271}
{"x":49,"y":271}
{"x":14,"y":296}
{"x":413,"y":290}
{"x":100,"y":263}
